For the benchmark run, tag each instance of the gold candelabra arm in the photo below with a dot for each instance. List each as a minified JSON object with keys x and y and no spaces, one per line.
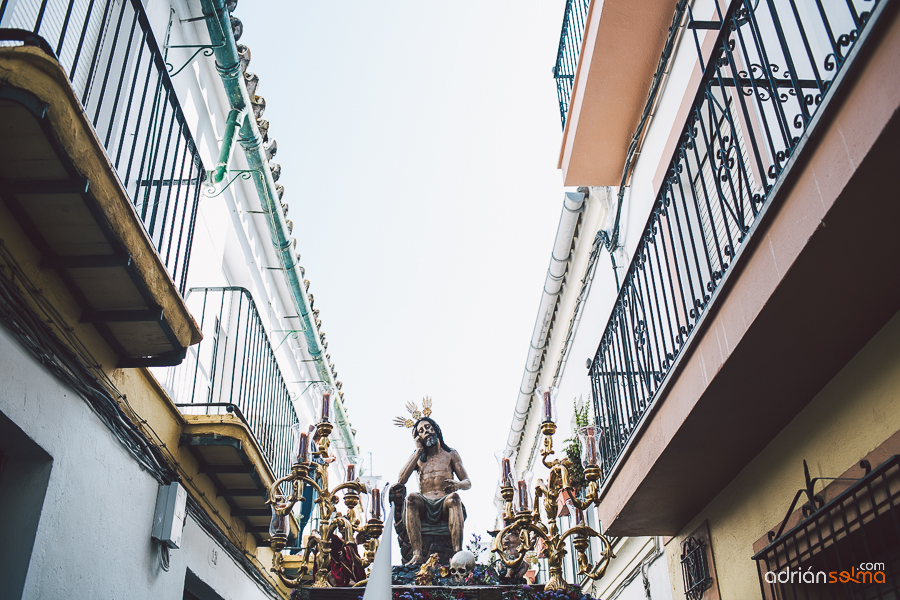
{"x":311,"y":544}
{"x":319,"y":490}
{"x":591,"y":498}
{"x":278,"y":569}
{"x":583,"y":533}
{"x":351,"y":485}
{"x":582,"y":530}
{"x":546,"y":451}
{"x":548,"y":428}
{"x":323,"y":559}
{"x":522,"y":527}
{"x":274,"y":489}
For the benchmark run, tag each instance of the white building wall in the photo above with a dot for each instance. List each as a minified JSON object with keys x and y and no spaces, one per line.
{"x":93,"y":536}
{"x":232,"y":244}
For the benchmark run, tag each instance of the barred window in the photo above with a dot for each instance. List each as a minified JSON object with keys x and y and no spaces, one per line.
{"x":695,"y":568}
{"x":847,"y":547}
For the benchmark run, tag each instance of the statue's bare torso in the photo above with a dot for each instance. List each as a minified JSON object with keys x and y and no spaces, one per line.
{"x":436,"y":472}
{"x":436,"y":466}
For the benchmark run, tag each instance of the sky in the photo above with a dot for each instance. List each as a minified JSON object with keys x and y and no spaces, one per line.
{"x":418,"y":142}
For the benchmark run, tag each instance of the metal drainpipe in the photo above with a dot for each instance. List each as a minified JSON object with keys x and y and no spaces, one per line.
{"x":232,"y":125}
{"x":218,"y":20}
{"x":573,"y":205}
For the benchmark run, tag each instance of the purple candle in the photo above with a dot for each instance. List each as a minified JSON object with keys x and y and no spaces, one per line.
{"x":376,"y":504}
{"x":303,"y":448}
{"x":506,"y":476}
{"x":523,"y":495}
{"x":326,"y":406}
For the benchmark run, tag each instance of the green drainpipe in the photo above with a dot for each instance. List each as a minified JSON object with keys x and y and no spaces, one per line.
{"x":218,"y":21}
{"x":232,"y":125}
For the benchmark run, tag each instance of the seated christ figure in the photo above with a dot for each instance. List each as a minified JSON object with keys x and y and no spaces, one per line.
{"x":437,"y":502}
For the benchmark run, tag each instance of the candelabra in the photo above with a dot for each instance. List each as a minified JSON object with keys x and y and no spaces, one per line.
{"x":524,"y":516}
{"x":310,"y":473}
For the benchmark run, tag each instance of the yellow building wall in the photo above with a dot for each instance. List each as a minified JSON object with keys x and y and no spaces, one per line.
{"x":857,"y":411}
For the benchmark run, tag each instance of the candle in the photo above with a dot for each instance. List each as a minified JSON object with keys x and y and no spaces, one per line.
{"x":548,"y":407}
{"x":279,"y":523}
{"x":591,"y":450}
{"x":523,"y":495}
{"x":376,"y":504}
{"x":351,"y":472}
{"x":506,"y":476}
{"x":326,"y":406}
{"x":303,"y":448}
{"x":579,"y":516}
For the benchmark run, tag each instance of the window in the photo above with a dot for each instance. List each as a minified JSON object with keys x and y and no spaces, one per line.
{"x":845,"y":547}
{"x":695,"y":568}
{"x":698,"y":568}
{"x":24,"y":477}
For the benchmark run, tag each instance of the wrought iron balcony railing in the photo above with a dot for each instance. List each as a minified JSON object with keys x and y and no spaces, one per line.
{"x":119,"y":74}
{"x":568,"y":52}
{"x":234,"y":369}
{"x":773,"y":63}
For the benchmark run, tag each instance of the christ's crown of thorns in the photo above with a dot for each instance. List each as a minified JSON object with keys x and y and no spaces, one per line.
{"x":414,"y":411}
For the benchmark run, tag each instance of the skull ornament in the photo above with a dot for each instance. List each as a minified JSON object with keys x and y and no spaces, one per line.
{"x":462,"y":564}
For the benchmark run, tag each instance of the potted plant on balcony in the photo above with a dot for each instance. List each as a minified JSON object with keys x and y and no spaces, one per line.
{"x":572,"y":450}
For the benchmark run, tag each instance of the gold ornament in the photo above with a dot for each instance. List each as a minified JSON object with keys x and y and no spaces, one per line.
{"x":415,"y":412}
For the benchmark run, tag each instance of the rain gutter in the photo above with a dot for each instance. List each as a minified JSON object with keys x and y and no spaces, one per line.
{"x":218,"y":22}
{"x":573,"y":206}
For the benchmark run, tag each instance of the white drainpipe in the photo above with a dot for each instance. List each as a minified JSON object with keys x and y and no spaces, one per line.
{"x":573,"y":205}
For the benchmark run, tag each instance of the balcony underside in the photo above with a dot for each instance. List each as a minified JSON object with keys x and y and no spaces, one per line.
{"x":812,"y":286}
{"x":229,"y":456}
{"x":609,"y":93}
{"x":57,"y":182}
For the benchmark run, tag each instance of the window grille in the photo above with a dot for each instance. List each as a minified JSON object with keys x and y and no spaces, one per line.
{"x":695,"y":568}
{"x":847,"y":548}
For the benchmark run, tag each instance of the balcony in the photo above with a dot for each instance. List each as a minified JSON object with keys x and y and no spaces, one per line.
{"x":237,"y":406}
{"x":605,"y":65}
{"x":569,"y":51}
{"x":738,"y":305}
{"x":99,"y":168}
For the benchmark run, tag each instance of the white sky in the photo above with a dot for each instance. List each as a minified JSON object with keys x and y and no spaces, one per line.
{"x":418,"y":142}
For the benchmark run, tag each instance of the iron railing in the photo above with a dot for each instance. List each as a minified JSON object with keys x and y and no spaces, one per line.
{"x":234,"y":367}
{"x":119,"y":74}
{"x":773,"y":63}
{"x":847,"y":548}
{"x":567,"y":55}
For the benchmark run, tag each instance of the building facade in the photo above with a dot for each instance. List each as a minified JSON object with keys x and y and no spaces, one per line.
{"x":158,"y":328}
{"x":731,"y":292}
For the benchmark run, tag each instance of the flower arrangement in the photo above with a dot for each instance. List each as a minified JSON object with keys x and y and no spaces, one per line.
{"x":414,"y":594}
{"x":528,"y":592}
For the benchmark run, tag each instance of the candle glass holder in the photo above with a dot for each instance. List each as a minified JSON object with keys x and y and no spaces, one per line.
{"x":302,"y":439}
{"x":324,"y":403}
{"x":547,"y":401}
{"x":354,"y":465}
{"x":507,"y":463}
{"x":279,"y":526}
{"x":589,"y":440}
{"x":524,"y":490}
